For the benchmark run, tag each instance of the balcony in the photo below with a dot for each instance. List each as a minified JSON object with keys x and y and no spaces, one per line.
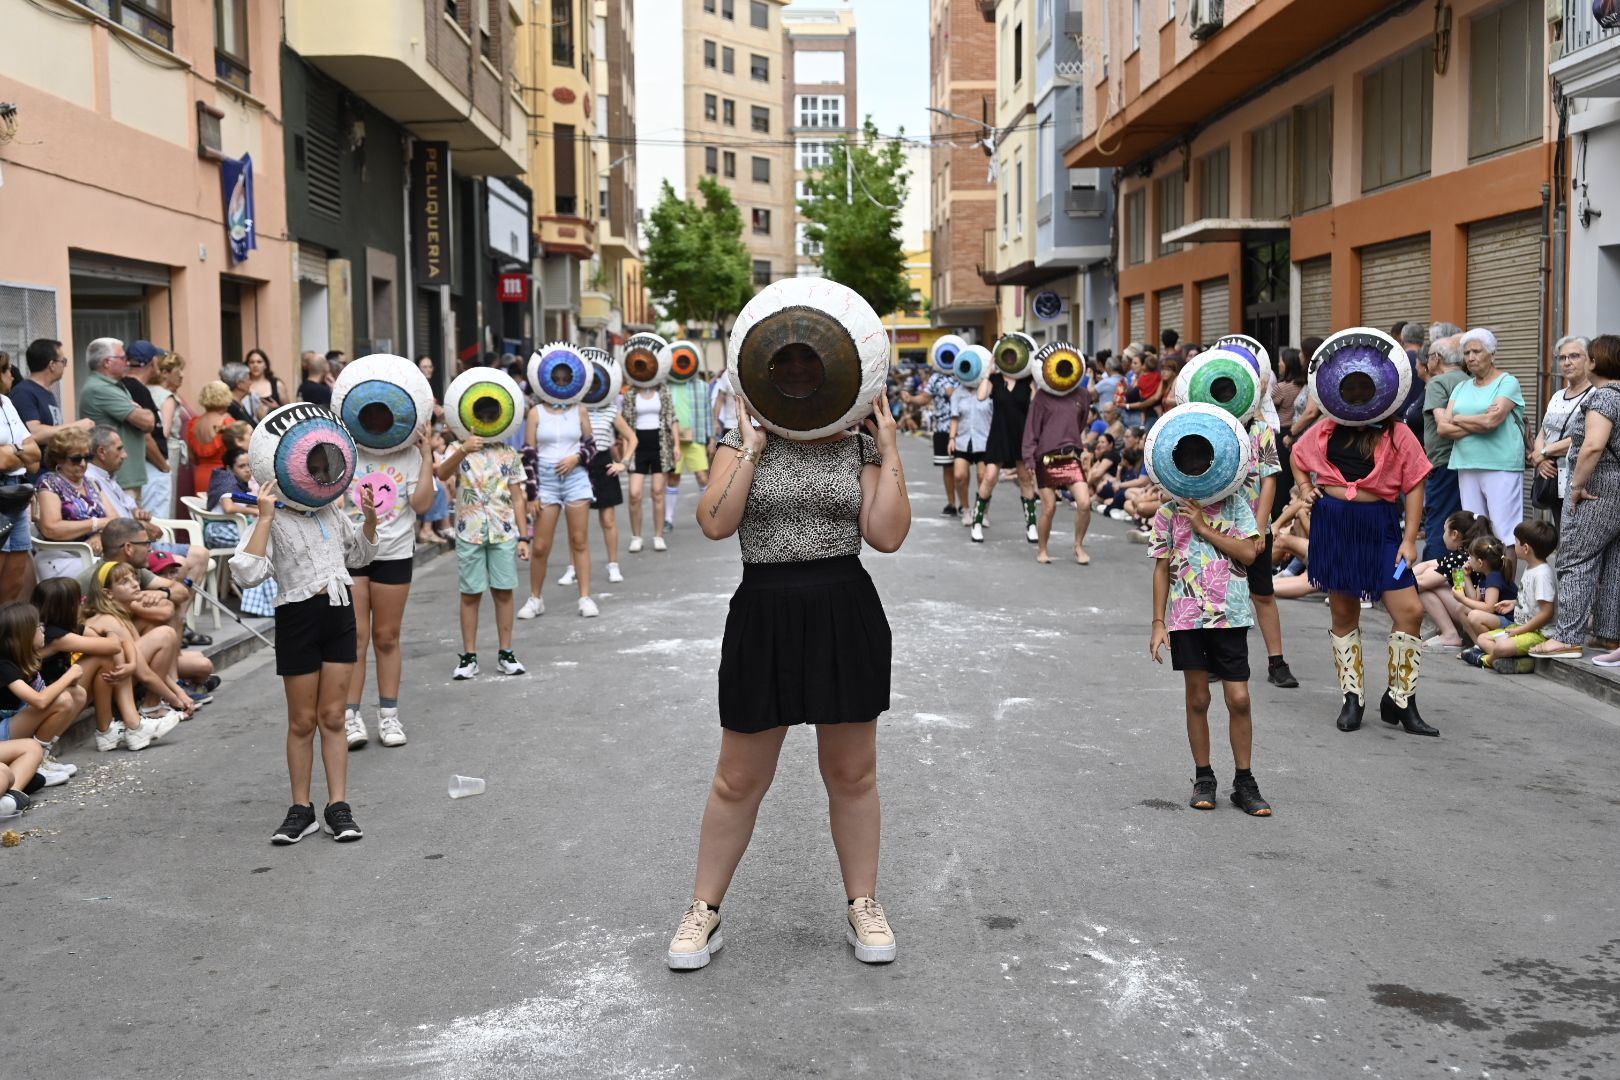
{"x":1589,"y":64}
{"x":1087,"y":202}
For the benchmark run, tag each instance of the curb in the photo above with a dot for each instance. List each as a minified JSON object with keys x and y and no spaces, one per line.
{"x":1598,"y":683}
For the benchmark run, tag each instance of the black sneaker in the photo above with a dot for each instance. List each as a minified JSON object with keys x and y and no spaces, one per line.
{"x":1203,"y":796}
{"x":949,"y":511}
{"x":1246,"y":797}
{"x":1473,"y":656}
{"x":299,"y":824}
{"x":340,"y":823}
{"x":1279,"y":675}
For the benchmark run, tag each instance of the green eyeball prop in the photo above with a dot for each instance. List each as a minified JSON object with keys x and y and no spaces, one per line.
{"x":1013,"y":352}
{"x":483,"y":401}
{"x":1221,"y":378}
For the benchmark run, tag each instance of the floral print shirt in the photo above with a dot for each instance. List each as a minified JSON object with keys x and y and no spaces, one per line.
{"x":1266,"y":463}
{"x":1208,"y":591}
{"x":484,"y":511}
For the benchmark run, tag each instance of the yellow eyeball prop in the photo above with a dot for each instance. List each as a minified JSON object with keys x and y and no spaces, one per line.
{"x":1013,"y":352}
{"x":1058,"y":368}
{"x":684,"y":361}
{"x":483,"y":401}
{"x":645,"y":361}
{"x":942,"y":354}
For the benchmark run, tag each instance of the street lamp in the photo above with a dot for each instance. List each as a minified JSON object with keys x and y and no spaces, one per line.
{"x":989,"y":144}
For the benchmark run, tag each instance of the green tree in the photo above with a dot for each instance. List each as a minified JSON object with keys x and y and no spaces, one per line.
{"x":853,"y":213}
{"x":698,"y":270}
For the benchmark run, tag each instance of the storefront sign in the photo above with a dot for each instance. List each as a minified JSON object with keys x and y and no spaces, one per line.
{"x":430,"y":213}
{"x":236,"y":178}
{"x":1047,"y":306}
{"x":514,"y":288}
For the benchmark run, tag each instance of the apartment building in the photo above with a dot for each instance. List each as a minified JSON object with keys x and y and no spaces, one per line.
{"x":963,"y":92}
{"x":820,"y":104}
{"x":1587,"y":70}
{"x":1370,"y":171}
{"x":614,"y":303}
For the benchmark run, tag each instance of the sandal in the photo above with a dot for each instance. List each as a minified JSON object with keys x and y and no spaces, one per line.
{"x":1556,"y":650}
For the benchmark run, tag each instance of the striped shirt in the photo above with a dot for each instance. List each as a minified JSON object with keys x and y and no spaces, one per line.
{"x":692,"y":409}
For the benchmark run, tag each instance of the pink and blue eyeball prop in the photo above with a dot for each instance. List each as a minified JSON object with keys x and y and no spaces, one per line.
{"x":606,"y":379}
{"x":942,"y":354}
{"x":307,"y":451}
{"x":384,"y":493}
{"x":972,"y":364}
{"x":1360,"y":377}
{"x":1222,"y":378}
{"x":1198,"y":453}
{"x":684,"y":361}
{"x":384,"y":401}
{"x":559,"y":374}
{"x":1013,"y":352}
{"x":645,"y":361}
{"x":1250,"y":349}
{"x":483,"y":401}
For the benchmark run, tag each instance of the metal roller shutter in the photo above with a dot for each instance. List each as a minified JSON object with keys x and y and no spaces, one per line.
{"x":1504,"y":293}
{"x":1315,"y":298}
{"x":1136,"y":309}
{"x":312,"y":263}
{"x":1214,"y":309}
{"x":1173,"y":311}
{"x":1395,"y":283}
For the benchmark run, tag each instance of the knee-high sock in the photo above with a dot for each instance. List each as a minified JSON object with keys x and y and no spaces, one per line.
{"x":671,"y":497}
{"x":979,"y":508}
{"x":1029,"y":511}
{"x":1347,"y":661}
{"x":1405,"y":658}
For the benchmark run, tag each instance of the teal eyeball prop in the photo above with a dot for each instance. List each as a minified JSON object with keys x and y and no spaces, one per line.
{"x":809,"y":356}
{"x":1221,"y":378}
{"x":684,"y":361}
{"x":307,"y":451}
{"x":559,"y":374}
{"x":943,"y":353}
{"x":646,"y":361}
{"x":1250,"y":349}
{"x":607,"y":379}
{"x":1198,"y":453}
{"x":1360,"y":377}
{"x":384,"y":401}
{"x":972,"y":365}
{"x":483,"y":401}
{"x":1058,"y":369}
{"x":1013,"y":352}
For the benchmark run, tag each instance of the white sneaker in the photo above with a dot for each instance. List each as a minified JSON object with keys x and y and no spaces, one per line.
{"x":635,"y":544}
{"x":508,"y":663}
{"x":151,"y":730}
{"x":868,"y":930}
{"x":614,"y":575}
{"x":467,"y":666}
{"x":52,"y":777}
{"x":568,"y":577}
{"x":977,"y":533}
{"x":354,"y":726}
{"x":1119,"y":515}
{"x":697,"y":938}
{"x":587,"y":608}
{"x":533,"y":607}
{"x":389,"y":732}
{"x":659,"y":545}
{"x":112,"y":738}
{"x":61,"y":766}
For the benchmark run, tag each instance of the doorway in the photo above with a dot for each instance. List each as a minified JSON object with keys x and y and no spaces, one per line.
{"x":1267,"y":290}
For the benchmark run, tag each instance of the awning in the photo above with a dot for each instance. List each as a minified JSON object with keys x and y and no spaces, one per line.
{"x":1028,"y":274}
{"x":1223,"y":230}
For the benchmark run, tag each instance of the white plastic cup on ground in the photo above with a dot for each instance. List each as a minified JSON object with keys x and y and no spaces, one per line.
{"x":463,"y":786}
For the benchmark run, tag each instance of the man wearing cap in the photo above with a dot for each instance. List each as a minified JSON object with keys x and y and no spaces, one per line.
{"x":157,"y":495}
{"x":33,"y":397}
{"x":105,"y":399}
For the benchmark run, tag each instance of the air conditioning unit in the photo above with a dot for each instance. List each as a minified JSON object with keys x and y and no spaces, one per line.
{"x":1206,"y":17}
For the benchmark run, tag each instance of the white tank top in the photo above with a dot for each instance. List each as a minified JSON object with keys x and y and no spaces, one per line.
{"x":557,"y":434}
{"x":648,"y":410}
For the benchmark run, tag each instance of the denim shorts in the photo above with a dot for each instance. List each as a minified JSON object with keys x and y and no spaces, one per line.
{"x":573,"y":486}
{"x":22,"y":536}
{"x":5,"y":722}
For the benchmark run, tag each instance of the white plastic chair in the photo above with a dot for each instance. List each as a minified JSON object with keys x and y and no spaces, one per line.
{"x":218,"y":558}
{"x":62,"y":558}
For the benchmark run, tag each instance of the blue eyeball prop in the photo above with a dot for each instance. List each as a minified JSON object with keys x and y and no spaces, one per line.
{"x":559,"y":374}
{"x":646,"y":361}
{"x":943,"y":353}
{"x":483,"y":401}
{"x":607,"y":379}
{"x":307,"y":451}
{"x":1013,"y":352}
{"x":1198,"y":453}
{"x":384,"y":401}
{"x":1360,"y":377}
{"x":1223,"y":378}
{"x":972,"y":364}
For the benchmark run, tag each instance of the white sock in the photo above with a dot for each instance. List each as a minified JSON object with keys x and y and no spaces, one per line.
{"x":671,"y":497}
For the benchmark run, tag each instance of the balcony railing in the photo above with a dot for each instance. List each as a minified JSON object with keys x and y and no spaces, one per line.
{"x":1087,"y":202}
{"x":1581,"y":27}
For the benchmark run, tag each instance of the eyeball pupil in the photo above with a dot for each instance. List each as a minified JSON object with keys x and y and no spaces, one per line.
{"x":486,"y":410}
{"x":325,"y":464}
{"x":797,"y":370}
{"x":1065,"y":369}
{"x":376,"y":418}
{"x":1193,"y":455}
{"x":562,"y":375}
{"x":1357,"y":388}
{"x":1223,"y":389}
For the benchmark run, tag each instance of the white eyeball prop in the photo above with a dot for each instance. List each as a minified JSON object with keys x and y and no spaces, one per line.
{"x":1360,"y":377}
{"x":384,"y":401}
{"x":646,"y":361}
{"x":1198,"y":453}
{"x":1222,"y":378}
{"x":684,"y":361}
{"x":1250,"y":349}
{"x":307,"y":451}
{"x":483,"y":401}
{"x":607,"y":379}
{"x":559,"y":374}
{"x":943,"y":353}
{"x":1058,"y":368}
{"x":809,"y":356}
{"x":1013,"y":352}
{"x":972,"y":364}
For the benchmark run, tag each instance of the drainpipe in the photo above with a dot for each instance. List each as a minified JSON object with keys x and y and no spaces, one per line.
{"x":409,"y":352}
{"x":1544,"y":317}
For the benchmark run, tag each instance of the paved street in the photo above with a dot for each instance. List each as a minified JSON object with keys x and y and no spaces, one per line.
{"x":1416,"y":908}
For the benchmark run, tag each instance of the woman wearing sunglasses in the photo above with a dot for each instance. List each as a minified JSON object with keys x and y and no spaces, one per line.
{"x":69,"y":508}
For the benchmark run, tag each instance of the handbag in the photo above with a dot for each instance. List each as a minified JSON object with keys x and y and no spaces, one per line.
{"x":1544,"y":489}
{"x":15,"y":496}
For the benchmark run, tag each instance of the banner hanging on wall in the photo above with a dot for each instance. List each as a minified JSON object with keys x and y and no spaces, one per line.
{"x":236,"y":177}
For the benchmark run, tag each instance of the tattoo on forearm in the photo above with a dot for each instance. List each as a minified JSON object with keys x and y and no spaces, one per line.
{"x":714,"y":510}
{"x":899,"y":481}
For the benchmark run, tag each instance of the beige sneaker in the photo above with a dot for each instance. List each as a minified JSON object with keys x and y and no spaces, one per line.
{"x":697,"y":938}
{"x":869,"y":932}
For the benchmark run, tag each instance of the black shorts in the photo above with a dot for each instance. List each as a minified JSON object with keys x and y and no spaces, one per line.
{"x":313,"y":632}
{"x":387,"y":571}
{"x":606,"y":491}
{"x":942,"y":447}
{"x":649,"y":461}
{"x":1223,"y":652}
{"x":1260,"y":571}
{"x":972,"y":457}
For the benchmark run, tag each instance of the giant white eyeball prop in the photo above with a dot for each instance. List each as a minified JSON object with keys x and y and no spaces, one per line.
{"x":1014,"y":352}
{"x":559,"y":374}
{"x":1221,"y":378}
{"x":646,"y":363}
{"x":607,"y":379}
{"x":942,"y":354}
{"x":973,"y":363}
{"x":384,"y":401}
{"x":1360,"y":377}
{"x":809,"y":356}
{"x":1058,"y":368}
{"x":1198,"y":453}
{"x":307,"y":451}
{"x":483,"y":401}
{"x":684,"y":361}
{"x":1250,"y":349}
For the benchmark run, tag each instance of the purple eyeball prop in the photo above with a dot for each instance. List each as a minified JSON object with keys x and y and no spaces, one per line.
{"x":307,"y":451}
{"x":943,"y":353}
{"x":1198,"y":453}
{"x":1250,"y":349}
{"x":559,"y":374}
{"x":1360,"y":377}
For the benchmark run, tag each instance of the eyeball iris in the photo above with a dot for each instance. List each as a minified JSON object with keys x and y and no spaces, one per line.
{"x":683,"y":362}
{"x":971,"y":365}
{"x":1013,"y":353}
{"x":1223,"y":379}
{"x":1199,"y":453}
{"x":945,"y":351}
{"x":307,"y":451}
{"x":380,"y":415}
{"x":1360,"y":377}
{"x":559,"y":374}
{"x":487,"y":409}
{"x":1059,"y":368}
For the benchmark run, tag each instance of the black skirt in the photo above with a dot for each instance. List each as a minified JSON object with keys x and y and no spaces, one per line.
{"x":806,"y":643}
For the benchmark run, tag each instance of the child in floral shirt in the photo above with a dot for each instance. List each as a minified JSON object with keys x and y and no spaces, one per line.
{"x":489,"y":505}
{"x":1202,"y":610}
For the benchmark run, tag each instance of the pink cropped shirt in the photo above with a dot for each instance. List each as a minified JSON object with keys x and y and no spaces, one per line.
{"x":1399,"y":463}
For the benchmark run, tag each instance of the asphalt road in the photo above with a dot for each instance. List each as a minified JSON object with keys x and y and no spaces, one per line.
{"x":1416,"y":907}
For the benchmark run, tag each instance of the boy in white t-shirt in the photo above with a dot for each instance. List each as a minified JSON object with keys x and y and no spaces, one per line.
{"x":1507,"y":648}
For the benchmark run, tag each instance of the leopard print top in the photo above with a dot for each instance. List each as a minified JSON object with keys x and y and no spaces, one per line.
{"x":805,"y":501}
